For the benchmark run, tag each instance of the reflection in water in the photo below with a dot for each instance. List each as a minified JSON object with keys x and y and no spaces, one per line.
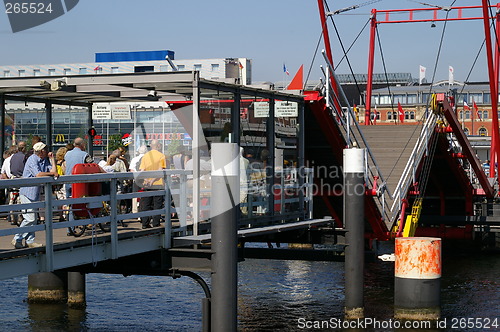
{"x":55,"y":317}
{"x":273,"y":295}
{"x":297,"y":281}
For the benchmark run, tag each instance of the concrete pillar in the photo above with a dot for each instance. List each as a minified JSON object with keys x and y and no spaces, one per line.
{"x":47,"y":287}
{"x":354,"y":196}
{"x":417,"y":279}
{"x":225,"y":215}
{"x":76,"y":290}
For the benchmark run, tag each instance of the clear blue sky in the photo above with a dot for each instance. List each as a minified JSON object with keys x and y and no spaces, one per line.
{"x":269,"y":32}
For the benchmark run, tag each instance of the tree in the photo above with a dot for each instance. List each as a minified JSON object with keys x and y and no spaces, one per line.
{"x":114,"y":142}
{"x":174,"y":147}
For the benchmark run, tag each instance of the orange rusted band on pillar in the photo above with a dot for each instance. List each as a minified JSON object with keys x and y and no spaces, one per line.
{"x":418,"y":257}
{"x":417,"y":278}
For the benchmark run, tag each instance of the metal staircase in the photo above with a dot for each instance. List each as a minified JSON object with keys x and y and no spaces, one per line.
{"x":409,"y":174}
{"x":390,"y":164}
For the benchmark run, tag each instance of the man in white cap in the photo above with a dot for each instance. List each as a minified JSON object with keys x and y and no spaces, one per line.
{"x":40,"y":163}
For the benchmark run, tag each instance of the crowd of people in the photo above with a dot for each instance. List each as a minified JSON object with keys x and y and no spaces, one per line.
{"x":38,"y":161}
{"x":21,"y":162}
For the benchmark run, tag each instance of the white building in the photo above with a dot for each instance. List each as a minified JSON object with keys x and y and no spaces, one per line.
{"x":228,"y":70}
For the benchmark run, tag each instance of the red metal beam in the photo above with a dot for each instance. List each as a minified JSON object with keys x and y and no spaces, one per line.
{"x":434,"y":12}
{"x":328,"y":50}
{"x":464,"y":182}
{"x":444,"y":232}
{"x":372,"y":214}
{"x":467,"y":148}
{"x":331,"y":209}
{"x":371,"y":56}
{"x":411,"y":19}
{"x":495,"y":137}
{"x":493,"y":89}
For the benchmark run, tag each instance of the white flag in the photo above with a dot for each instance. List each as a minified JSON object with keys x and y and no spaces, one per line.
{"x":422,"y":74}
{"x":450,"y":75}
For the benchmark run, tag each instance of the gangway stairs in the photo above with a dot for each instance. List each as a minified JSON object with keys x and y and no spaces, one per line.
{"x":397,"y":156}
{"x":392,"y":146}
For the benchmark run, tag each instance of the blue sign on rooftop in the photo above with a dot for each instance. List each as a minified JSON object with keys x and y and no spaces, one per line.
{"x":134,"y":56}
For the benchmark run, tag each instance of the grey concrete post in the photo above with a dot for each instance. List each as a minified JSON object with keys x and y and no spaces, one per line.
{"x":76,"y":290}
{"x":354,"y":195}
{"x":47,"y":287}
{"x":225,"y":215}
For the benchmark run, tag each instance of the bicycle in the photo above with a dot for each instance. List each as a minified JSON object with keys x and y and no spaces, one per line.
{"x":15,"y":218}
{"x":78,"y":231}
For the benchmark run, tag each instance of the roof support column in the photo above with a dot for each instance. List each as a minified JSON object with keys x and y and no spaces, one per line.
{"x":2,"y":124}
{"x":90,"y":143}
{"x":301,"y":157}
{"x":48,"y":126}
{"x":235,"y":118}
{"x":196,"y":146}
{"x":270,"y":165}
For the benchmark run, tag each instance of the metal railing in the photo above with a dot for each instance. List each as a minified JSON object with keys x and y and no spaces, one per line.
{"x":354,"y":137}
{"x":409,"y":173}
{"x":176,"y":187}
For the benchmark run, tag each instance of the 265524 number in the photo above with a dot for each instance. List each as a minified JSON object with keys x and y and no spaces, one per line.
{"x":28,"y":8}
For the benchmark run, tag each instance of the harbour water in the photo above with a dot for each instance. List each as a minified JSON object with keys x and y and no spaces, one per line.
{"x":274,"y":295}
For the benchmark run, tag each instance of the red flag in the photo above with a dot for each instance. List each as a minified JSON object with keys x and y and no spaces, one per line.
{"x":401,"y":113}
{"x":474,"y":106}
{"x":297,"y":82}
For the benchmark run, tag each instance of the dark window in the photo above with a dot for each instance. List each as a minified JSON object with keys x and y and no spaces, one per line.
{"x":143,"y":69}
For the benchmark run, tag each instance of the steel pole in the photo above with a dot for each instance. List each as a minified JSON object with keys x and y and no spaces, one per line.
{"x":493,"y":89}
{"x":225,"y":215}
{"x":371,"y":56}
{"x":354,"y":196}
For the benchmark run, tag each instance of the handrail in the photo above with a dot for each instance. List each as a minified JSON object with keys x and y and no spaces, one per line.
{"x":416,"y":155}
{"x":352,"y":137}
{"x":289,"y":185}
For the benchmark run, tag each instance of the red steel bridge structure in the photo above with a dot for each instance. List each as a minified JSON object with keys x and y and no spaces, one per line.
{"x":455,"y":197}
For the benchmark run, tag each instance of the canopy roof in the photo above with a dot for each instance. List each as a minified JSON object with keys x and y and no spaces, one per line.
{"x":82,"y":90}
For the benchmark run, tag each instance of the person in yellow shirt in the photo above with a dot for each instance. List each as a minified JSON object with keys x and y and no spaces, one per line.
{"x":153,"y":160}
